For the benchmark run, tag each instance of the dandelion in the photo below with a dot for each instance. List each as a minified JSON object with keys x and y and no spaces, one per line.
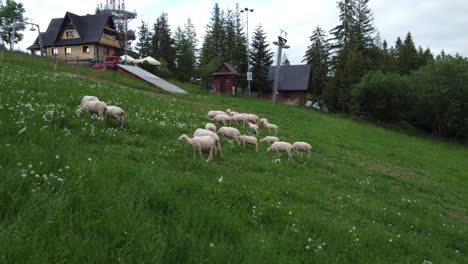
{"x":290,"y":213}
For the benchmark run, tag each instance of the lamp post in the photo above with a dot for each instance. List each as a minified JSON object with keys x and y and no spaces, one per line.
{"x":249,"y":73}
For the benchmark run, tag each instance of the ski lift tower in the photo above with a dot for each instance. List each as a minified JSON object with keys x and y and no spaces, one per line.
{"x":121,"y":16}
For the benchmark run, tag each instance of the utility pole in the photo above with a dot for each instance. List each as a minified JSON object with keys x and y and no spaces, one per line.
{"x":281,"y":43}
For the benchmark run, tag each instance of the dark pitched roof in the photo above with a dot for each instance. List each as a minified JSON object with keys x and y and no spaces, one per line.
{"x":291,"y":77}
{"x":89,"y":27}
{"x":226,"y":69}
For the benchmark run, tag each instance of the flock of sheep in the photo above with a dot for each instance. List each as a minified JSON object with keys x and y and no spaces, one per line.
{"x":91,"y":105}
{"x":209,"y":139}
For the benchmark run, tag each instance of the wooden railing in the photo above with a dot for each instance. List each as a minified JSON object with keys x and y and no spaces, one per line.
{"x":107,"y":40}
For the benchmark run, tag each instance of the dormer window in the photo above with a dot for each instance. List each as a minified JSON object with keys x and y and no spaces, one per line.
{"x":70,"y":34}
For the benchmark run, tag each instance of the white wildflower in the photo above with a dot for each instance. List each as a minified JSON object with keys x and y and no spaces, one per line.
{"x":22,"y":130}
{"x":220,"y":180}
{"x":212,"y":244}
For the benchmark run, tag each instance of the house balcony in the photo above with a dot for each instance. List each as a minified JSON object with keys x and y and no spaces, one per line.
{"x":109,"y":41}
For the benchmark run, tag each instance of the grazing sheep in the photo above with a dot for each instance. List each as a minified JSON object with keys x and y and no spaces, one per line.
{"x":210,"y":126}
{"x":116,"y":113}
{"x":281,"y":146}
{"x":212,"y":114}
{"x":222,"y":118}
{"x":263,"y":121}
{"x":239,"y":118}
{"x":93,"y":107}
{"x":87,"y":98}
{"x":249,"y":140}
{"x":229,"y":132}
{"x":203,"y":142}
{"x":253,"y":127}
{"x":302,"y":146}
{"x":272,"y":127}
{"x":270,"y":140}
{"x":228,"y":112}
{"x":205,"y":132}
{"x":252,"y":118}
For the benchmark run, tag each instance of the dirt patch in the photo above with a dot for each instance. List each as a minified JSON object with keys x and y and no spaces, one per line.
{"x":390,"y":169}
{"x":457,"y":216}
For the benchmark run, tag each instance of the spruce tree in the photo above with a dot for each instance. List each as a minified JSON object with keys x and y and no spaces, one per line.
{"x":162,"y":42}
{"x":363,"y":28}
{"x":185,"y":50}
{"x":407,"y":55}
{"x":213,"y":42}
{"x":261,"y":59}
{"x":318,"y":56}
{"x":143,"y":45}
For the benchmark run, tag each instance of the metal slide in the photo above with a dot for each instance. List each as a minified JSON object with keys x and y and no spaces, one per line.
{"x":151,"y":78}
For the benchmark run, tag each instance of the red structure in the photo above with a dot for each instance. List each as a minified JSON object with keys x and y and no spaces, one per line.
{"x":226,"y":79}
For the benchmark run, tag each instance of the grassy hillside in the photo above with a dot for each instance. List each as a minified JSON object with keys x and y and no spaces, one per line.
{"x":73,"y":189}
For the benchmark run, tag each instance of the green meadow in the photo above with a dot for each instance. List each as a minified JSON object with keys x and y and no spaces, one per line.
{"x":76,"y":190}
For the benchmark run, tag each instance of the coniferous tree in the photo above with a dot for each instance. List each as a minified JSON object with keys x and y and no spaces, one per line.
{"x":318,"y":56}
{"x":407,"y":55}
{"x":162,"y":42}
{"x":185,"y":50}
{"x":261,"y":59}
{"x":143,"y":45}
{"x":214,"y":38}
{"x":363,"y":28}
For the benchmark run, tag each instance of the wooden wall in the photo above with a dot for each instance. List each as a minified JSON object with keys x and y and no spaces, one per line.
{"x":63,"y":34}
{"x":76,"y":53}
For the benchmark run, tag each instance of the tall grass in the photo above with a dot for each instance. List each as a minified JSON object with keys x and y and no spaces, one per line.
{"x":74,"y":189}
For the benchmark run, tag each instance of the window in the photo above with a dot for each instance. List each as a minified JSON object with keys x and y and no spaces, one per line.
{"x":54,"y":51}
{"x":85,"y":49}
{"x":105,"y":51}
{"x":67,"y":50}
{"x":70,"y":34}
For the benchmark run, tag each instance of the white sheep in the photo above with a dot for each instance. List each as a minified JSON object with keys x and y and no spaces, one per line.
{"x":239,"y":118}
{"x":93,"y":107}
{"x":272,"y":127}
{"x":116,"y":113}
{"x":281,"y":146}
{"x":222,"y":118}
{"x":263,"y":121}
{"x":302,"y":146}
{"x":252,"y":118}
{"x":213,"y":113}
{"x":249,"y":140}
{"x":199,"y":132}
{"x":203,"y":142}
{"x":269,"y":139}
{"x":253,"y":127}
{"x":210,"y":126}
{"x":229,"y":132}
{"x":87,"y":98}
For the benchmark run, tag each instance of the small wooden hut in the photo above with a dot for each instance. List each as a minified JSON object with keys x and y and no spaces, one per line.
{"x":226,"y":79}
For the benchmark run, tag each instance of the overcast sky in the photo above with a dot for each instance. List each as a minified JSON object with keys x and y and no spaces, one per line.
{"x":433,"y":23}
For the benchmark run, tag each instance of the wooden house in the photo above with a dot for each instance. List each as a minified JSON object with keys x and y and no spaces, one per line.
{"x":293,"y":83}
{"x":226,"y":79}
{"x":79,"y":38}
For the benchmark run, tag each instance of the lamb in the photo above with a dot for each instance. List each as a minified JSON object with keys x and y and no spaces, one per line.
{"x":87,"y":98}
{"x":203,"y":142}
{"x":93,"y":107}
{"x":281,"y":146}
{"x":249,"y":140}
{"x":222,"y":118}
{"x":252,"y":118}
{"x":229,"y":132}
{"x":211,"y":127}
{"x":116,"y":113}
{"x":270,"y":140}
{"x":212,"y":114}
{"x":272,"y":127}
{"x":253,"y":127}
{"x":302,"y":146}
{"x":205,"y":132}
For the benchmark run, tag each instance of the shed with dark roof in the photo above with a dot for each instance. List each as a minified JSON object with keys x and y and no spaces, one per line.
{"x":226,"y":79}
{"x":293,"y":83}
{"x":76,"y":37}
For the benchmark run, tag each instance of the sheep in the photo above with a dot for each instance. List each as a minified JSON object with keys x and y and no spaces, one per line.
{"x":205,"y":132}
{"x":270,"y":140}
{"x":229,"y":132}
{"x":231,"y":113}
{"x":302,"y":146}
{"x":93,"y":107}
{"x":222,"y":118}
{"x":263,"y":121}
{"x":87,"y":98}
{"x":250,"y":140}
{"x":116,"y":113}
{"x":210,"y":126}
{"x":203,"y":142}
{"x":239,"y":118}
{"x":272,"y":127}
{"x":252,"y":118}
{"x":212,"y":114}
{"x":281,"y":146}
{"x":253,"y":127}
